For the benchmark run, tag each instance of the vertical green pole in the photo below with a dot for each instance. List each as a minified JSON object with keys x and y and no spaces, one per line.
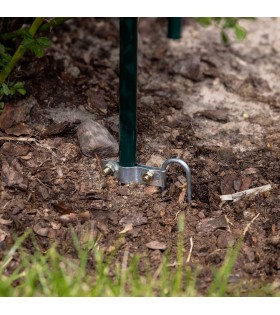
{"x":128,"y":91}
{"x":174,"y":27}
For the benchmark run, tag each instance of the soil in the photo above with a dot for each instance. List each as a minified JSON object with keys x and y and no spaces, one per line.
{"x":216,"y":107}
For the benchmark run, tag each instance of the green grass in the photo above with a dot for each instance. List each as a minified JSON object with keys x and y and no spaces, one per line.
{"x":94,"y":273}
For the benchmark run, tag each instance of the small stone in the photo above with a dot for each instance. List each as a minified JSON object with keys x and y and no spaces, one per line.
{"x":156,"y":245}
{"x":95,"y":138}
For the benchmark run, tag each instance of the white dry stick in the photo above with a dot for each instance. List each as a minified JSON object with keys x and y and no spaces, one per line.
{"x":22,"y":139}
{"x":29,"y":139}
{"x":190,"y":252}
{"x":249,"y":224}
{"x":252,"y":191}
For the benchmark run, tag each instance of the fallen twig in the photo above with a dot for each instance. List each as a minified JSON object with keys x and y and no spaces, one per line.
{"x":252,"y":191}
{"x":22,"y":139}
{"x":249,"y":224}
{"x":190,"y":252}
{"x":98,"y":164}
{"x":31,"y":140}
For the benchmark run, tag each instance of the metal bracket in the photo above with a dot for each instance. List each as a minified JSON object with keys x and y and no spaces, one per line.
{"x":142,"y":174}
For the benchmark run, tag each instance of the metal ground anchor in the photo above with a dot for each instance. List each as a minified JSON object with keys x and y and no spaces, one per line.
{"x":142,"y":174}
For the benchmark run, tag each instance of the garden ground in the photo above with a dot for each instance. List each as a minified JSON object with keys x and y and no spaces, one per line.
{"x":216,"y":107}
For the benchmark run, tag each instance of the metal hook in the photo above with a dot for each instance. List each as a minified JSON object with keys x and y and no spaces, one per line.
{"x":187,"y":170}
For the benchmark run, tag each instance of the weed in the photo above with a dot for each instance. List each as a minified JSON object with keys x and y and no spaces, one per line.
{"x":226,"y":23}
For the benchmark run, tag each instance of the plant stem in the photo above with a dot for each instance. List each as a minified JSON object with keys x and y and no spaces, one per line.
{"x":20,"y":51}
{"x":53,"y":23}
{"x":43,"y":28}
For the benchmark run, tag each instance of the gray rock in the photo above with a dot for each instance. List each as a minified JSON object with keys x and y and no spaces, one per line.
{"x":95,"y":138}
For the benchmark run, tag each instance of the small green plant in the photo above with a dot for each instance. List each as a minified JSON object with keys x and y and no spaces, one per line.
{"x":10,"y":57}
{"x":226,"y":23}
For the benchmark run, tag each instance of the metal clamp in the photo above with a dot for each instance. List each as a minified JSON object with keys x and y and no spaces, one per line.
{"x":142,"y":174}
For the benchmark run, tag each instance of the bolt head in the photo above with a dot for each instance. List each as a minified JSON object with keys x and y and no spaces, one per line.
{"x":148,"y":177}
{"x":107,"y":171}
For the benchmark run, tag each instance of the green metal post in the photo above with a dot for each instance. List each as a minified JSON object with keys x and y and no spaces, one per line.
{"x":174,"y":27}
{"x":128,"y":91}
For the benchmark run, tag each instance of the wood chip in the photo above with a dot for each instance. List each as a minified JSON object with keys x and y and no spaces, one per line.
{"x":182,"y":196}
{"x":252,"y":191}
{"x":209,"y":225}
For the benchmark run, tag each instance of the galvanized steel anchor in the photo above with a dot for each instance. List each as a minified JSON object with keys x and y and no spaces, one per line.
{"x":127,"y":170}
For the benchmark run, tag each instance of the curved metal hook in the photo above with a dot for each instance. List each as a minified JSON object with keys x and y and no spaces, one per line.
{"x":187,"y":170}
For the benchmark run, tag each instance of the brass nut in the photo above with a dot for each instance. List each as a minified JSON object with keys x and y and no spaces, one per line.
{"x":148,"y":177}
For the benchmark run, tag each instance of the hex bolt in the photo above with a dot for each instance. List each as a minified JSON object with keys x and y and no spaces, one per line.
{"x":148,"y":177}
{"x":109,"y":168}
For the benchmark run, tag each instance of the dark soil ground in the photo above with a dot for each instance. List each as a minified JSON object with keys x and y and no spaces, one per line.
{"x":214,"y":106}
